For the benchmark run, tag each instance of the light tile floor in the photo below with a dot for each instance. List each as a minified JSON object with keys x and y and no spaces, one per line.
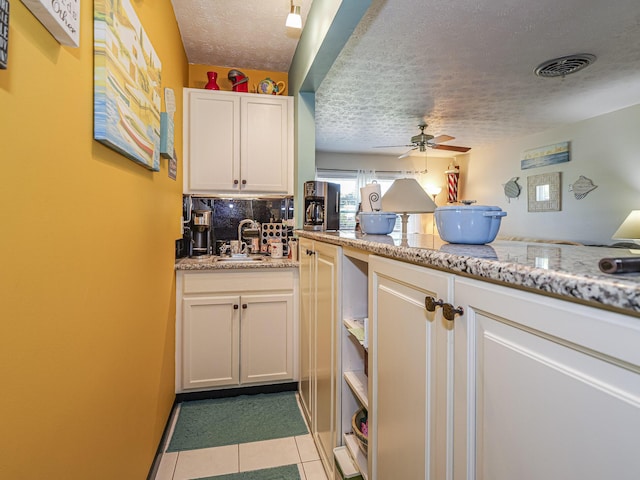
{"x":207,"y":462}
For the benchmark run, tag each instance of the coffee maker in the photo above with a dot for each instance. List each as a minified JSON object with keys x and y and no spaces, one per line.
{"x":321,"y":206}
{"x":201,"y":232}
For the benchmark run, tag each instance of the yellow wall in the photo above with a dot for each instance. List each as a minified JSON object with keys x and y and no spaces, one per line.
{"x":87,"y":282}
{"x":198,"y":77}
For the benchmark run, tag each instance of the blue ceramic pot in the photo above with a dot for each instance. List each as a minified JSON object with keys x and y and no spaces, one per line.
{"x":468,"y":224}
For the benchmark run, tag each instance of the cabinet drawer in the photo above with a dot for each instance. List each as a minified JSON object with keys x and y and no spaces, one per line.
{"x":255,"y":280}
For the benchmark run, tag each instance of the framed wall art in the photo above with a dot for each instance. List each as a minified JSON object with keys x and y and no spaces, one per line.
{"x":60,"y":17}
{"x":543,"y":192}
{"x":4,"y":33}
{"x":549,"y":155}
{"x":127,"y":88}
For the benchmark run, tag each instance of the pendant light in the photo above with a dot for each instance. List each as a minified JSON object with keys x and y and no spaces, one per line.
{"x":294,"y":20}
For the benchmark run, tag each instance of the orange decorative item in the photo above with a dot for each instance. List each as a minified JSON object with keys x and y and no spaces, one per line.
{"x":239,"y":81}
{"x":212,"y":84}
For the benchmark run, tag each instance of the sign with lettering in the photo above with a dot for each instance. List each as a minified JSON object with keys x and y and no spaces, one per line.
{"x":60,"y":17}
{"x":4,"y":32}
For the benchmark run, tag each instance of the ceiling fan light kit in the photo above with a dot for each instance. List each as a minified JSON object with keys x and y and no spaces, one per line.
{"x":423,"y":140}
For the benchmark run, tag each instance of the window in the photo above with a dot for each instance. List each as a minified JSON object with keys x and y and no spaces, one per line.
{"x":349,"y":195}
{"x":350,"y":182}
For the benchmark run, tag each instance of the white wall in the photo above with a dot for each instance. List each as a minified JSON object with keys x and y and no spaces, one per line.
{"x":605,"y":149}
{"x":435,"y":166}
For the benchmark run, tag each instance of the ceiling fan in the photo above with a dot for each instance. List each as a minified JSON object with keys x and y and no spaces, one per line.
{"x":424,"y":140}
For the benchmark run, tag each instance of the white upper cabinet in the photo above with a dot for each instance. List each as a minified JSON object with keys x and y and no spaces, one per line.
{"x":237,"y":143}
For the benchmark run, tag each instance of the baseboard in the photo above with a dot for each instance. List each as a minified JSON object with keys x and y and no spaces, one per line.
{"x":206,"y":395}
{"x":163,"y":441}
{"x":234,"y":392}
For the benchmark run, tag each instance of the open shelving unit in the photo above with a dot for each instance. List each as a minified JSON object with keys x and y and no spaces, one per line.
{"x":354,"y":350}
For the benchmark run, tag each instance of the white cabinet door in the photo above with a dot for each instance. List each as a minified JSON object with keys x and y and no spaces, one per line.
{"x":237,"y":143}
{"x":265,"y":165}
{"x":327,"y":301}
{"x":235,"y":328}
{"x":410,"y":422}
{"x":307,"y":328}
{"x":266,"y":333}
{"x":545,"y":389}
{"x":210,"y":339}
{"x":212,"y":142}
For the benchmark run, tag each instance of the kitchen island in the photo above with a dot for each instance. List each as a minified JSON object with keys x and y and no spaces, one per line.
{"x":569,"y":272}
{"x":499,"y":361}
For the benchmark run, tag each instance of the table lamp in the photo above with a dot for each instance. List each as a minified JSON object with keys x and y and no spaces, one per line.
{"x":630,"y":229}
{"x":406,"y":196}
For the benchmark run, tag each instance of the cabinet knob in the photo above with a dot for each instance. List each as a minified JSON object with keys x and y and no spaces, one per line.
{"x":235,"y":306}
{"x":431,"y":303}
{"x":244,"y":182}
{"x":244,"y":305}
{"x":449,"y":311}
{"x":310,"y":252}
{"x":235,"y":182}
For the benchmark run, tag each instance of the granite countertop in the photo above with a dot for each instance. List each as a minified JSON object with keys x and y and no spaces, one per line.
{"x":569,"y":272}
{"x":211,"y":262}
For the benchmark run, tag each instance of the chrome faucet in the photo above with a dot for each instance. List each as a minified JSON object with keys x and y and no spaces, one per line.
{"x":247,"y":221}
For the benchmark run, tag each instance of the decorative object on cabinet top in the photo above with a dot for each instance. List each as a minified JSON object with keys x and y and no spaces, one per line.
{"x":270,"y":87}
{"x":239,"y":81}
{"x":573,"y":272}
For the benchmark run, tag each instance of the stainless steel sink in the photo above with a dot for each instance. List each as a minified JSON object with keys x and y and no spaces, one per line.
{"x":240,"y":258}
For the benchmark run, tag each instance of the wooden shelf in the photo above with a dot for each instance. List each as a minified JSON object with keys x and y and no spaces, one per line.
{"x":358,"y":383}
{"x":358,"y":457}
{"x":354,"y":323}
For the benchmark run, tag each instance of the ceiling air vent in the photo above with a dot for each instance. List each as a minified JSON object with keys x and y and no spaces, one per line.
{"x":559,"y":67}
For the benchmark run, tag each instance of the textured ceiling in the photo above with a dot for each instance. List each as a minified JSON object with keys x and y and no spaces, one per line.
{"x":244,"y":34}
{"x":463,"y":66}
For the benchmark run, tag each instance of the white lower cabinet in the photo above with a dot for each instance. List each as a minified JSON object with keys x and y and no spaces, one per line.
{"x":320,"y":306}
{"x":469,"y":380}
{"x":410,"y":423}
{"x":235,"y":328}
{"x":544,"y":388}
{"x":515,"y":385}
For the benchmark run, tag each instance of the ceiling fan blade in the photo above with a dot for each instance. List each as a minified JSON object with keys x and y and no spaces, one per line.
{"x":442,"y":139}
{"x":407,"y":153}
{"x":452,"y":148}
{"x":392,"y":146}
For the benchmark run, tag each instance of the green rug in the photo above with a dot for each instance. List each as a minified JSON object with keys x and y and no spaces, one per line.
{"x":227,"y":421}
{"x":288,"y":472}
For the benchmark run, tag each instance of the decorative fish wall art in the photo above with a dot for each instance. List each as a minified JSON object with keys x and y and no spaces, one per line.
{"x":581,"y":187}
{"x":512,"y":189}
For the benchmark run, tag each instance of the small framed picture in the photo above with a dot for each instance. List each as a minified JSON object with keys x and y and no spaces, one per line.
{"x":543,"y":192}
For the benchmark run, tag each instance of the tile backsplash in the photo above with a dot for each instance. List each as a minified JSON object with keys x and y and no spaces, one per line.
{"x":228,"y":213}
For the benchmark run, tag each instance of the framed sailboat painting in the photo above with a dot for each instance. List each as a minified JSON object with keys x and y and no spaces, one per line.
{"x":127,"y":88}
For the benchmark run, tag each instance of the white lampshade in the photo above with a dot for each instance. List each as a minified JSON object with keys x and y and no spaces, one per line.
{"x":630,"y":228}
{"x":406,"y":196}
